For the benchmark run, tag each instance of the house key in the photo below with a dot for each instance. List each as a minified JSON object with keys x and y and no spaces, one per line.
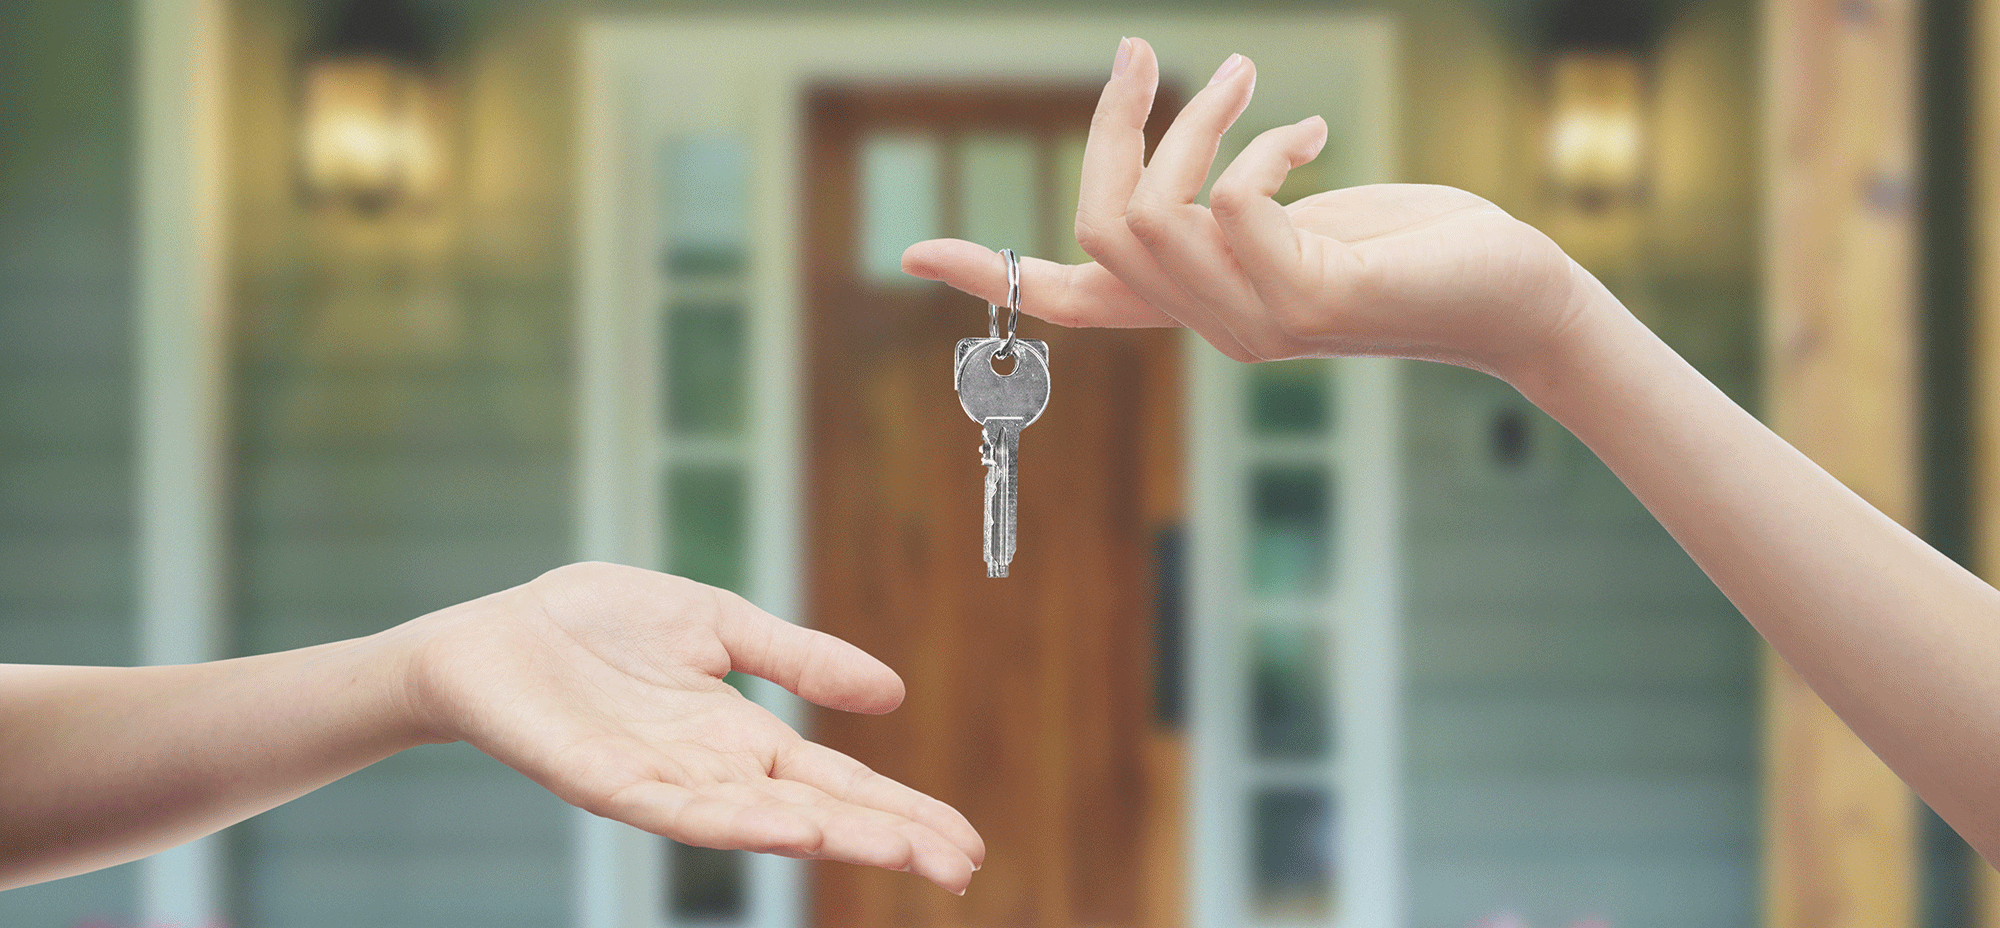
{"x":1003,"y":404}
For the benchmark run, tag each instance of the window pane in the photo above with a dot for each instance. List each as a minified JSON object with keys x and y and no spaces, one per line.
{"x":1289,"y":693}
{"x":899,"y":201}
{"x":1292,"y":854}
{"x":999,"y":191}
{"x":1290,"y":398}
{"x":1290,"y":533}
{"x":705,"y":524}
{"x":708,"y":885}
{"x":705,"y":365}
{"x":706,"y":191}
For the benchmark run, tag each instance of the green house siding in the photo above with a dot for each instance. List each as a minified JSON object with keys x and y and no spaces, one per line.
{"x":65,"y":369}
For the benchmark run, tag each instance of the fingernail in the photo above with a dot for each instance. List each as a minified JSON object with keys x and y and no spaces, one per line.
{"x":1124,"y":56}
{"x":1228,"y":67}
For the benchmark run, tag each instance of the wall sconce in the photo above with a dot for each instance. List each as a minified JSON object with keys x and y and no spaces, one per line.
{"x":371,"y":127}
{"x":1598,"y":76}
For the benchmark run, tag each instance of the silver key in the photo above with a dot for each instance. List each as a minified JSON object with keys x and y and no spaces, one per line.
{"x":1003,"y":404}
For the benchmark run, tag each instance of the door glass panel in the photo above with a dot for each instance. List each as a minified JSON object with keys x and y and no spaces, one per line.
{"x":705,"y":364}
{"x":899,"y":201}
{"x":705,"y":524}
{"x":998,"y":192}
{"x":704,"y":354}
{"x":1292,"y":854}
{"x":707,"y":885}
{"x":1289,"y":693}
{"x":1290,"y":535}
{"x":706,"y":204}
{"x":1290,"y":398}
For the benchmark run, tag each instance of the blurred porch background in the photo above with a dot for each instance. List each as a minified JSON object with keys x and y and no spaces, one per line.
{"x":1568,"y":714}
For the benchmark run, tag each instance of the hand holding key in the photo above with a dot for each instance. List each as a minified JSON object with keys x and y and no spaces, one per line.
{"x":1390,"y":269}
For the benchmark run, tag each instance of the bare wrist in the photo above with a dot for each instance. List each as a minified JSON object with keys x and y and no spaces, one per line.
{"x":402,"y":657}
{"x":1579,"y":339}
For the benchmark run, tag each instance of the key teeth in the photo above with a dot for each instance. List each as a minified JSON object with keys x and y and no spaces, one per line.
{"x":996,"y":570}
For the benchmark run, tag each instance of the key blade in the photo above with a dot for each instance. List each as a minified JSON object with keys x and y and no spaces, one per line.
{"x":1003,"y":441}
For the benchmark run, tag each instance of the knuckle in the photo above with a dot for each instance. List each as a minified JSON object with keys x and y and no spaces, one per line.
{"x":1230,"y":198}
{"x":1092,"y":235}
{"x":1150,"y":223}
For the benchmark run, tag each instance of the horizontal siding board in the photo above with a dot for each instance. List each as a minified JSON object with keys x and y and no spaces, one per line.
{"x":58,"y":570}
{"x":1489,"y":566}
{"x":84,"y":408}
{"x":300,"y":593}
{"x":52,"y":494}
{"x":1580,"y":702}
{"x":438,"y":835}
{"x":1504,"y":816}
{"x":66,"y":240}
{"x":66,"y":636}
{"x":103,"y":896}
{"x":502,"y":413}
{"x":1626,"y":891}
{"x":1584,"y":733}
{"x":1568,"y":645}
{"x":296,"y":496}
{"x":59,"y":324}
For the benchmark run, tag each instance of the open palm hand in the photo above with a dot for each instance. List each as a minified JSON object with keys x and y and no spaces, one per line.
{"x":605,"y":684}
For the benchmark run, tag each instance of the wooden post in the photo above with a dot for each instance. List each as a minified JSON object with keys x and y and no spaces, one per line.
{"x":1985,"y":153}
{"x":1840,"y":343}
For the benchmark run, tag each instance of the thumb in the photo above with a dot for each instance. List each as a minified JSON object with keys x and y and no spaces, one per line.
{"x":817,"y":666}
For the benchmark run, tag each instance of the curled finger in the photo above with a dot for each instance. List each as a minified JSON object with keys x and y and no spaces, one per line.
{"x":1260,"y":232}
{"x":1074,"y":295}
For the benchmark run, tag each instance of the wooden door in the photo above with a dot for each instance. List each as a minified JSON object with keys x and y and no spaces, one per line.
{"x":1031,"y":698}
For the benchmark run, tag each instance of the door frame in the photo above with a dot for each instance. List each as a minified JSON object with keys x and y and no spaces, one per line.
{"x":747,"y":76}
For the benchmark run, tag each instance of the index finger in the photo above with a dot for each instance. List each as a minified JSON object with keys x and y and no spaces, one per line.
{"x":1073,"y":295}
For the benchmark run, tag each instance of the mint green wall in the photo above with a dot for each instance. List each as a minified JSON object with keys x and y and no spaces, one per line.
{"x":65,"y":368}
{"x":1581,"y":702}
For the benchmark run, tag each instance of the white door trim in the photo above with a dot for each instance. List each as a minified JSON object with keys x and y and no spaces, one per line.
{"x":181,"y":365}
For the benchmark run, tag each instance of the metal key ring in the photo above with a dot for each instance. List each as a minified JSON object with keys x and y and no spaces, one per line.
{"x":1013,"y":306}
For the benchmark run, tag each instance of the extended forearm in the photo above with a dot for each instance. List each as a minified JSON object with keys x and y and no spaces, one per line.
{"x":101,"y":765}
{"x":1898,"y":639}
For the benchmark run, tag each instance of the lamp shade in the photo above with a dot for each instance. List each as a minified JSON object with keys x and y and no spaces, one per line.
{"x":371,"y":121}
{"x":1597,"y":69}
{"x":1597,"y":127}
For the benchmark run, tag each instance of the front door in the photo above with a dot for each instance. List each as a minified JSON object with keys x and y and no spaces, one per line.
{"x":1032,"y":699}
